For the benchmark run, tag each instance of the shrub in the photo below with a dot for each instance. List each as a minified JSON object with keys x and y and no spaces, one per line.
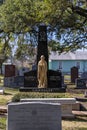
{"x":18,"y":96}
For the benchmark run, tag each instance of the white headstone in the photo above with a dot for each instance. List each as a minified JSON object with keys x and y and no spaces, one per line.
{"x":66,"y":104}
{"x":34,"y":116}
{"x":1,"y":91}
{"x":85,"y":94}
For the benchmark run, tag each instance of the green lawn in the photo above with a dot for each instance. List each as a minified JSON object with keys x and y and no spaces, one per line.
{"x":7,"y":96}
{"x":2,"y":123}
{"x":1,"y":80}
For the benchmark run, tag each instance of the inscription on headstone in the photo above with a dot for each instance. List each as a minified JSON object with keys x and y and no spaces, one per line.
{"x":17,"y":81}
{"x":34,"y":116}
{"x":30,"y":79}
{"x":54,"y":79}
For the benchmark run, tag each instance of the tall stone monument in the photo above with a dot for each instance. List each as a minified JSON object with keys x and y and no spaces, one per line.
{"x":42,"y":48}
{"x":54,"y":78}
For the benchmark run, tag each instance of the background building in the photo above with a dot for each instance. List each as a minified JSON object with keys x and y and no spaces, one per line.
{"x":66,"y":61}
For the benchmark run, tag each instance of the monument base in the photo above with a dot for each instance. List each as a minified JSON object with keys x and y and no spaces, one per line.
{"x":34,"y":89}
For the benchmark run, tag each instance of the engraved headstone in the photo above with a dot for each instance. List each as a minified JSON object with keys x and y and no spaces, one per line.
{"x":9,"y":70}
{"x":81,"y":83}
{"x":17,"y":81}
{"x":8,"y":81}
{"x":30,"y":79}
{"x":54,"y":79}
{"x":34,"y":116}
{"x":84,"y":75}
{"x":74,"y":74}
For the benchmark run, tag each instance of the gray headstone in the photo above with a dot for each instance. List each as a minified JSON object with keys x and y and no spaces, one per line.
{"x":84,"y":75}
{"x":17,"y":81}
{"x":81,"y":83}
{"x":34,"y":116}
{"x":10,"y":70}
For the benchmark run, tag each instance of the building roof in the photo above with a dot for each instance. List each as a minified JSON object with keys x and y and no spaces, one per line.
{"x":78,"y":55}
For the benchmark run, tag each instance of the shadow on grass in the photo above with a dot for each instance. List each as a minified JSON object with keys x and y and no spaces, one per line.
{"x":5,"y":93}
{"x":79,"y":129}
{"x":77,"y":118}
{"x":75,"y":128}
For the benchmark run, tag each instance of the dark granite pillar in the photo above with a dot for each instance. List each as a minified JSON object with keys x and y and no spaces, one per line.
{"x":42,"y":48}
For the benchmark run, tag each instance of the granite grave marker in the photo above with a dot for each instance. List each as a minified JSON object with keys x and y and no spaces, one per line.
{"x":9,"y":70}
{"x":74,"y":74}
{"x":34,"y":116}
{"x":81,"y":83}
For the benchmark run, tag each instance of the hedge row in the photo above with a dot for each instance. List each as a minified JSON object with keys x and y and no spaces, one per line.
{"x":18,"y":96}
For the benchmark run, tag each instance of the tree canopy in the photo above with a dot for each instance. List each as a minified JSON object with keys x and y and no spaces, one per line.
{"x":66,"y":21}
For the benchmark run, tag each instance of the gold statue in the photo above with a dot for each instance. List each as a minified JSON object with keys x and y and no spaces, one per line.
{"x":42,"y":72}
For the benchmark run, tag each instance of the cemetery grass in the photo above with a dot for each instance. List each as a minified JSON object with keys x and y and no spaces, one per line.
{"x":7,"y":96}
{"x":2,"y":123}
{"x":1,"y":80}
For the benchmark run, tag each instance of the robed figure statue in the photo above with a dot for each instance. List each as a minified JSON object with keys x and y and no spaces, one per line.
{"x":42,"y":73}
